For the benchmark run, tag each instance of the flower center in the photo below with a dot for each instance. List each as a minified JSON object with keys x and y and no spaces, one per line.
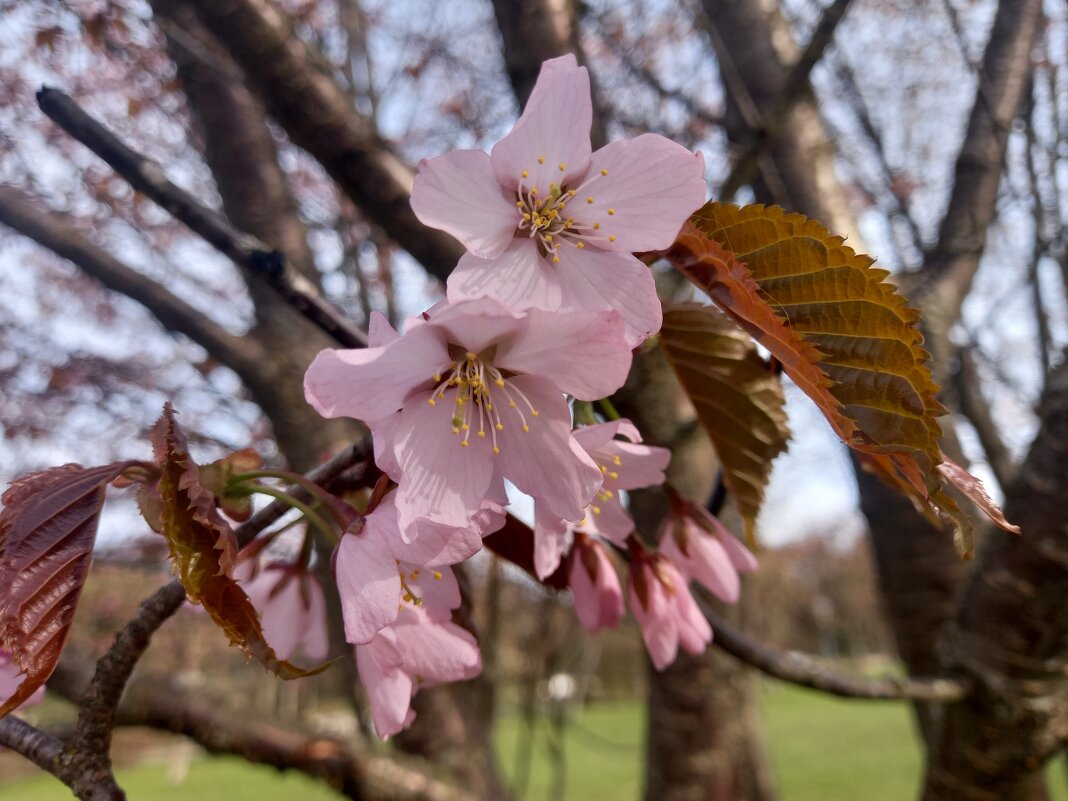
{"x":479,"y":389}
{"x":545,"y":216}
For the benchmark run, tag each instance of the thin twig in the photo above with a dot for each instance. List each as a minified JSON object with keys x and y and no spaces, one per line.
{"x":244,"y":250}
{"x":804,"y":671}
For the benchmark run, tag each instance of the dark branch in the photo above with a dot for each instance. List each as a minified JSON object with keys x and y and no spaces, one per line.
{"x":804,"y":671}
{"x":41,"y":748}
{"x":173,"y":313}
{"x":796,"y":86}
{"x":319,"y":116}
{"x":244,"y":250}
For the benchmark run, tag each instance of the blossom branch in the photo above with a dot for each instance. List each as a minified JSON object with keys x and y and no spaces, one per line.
{"x":802,"y":670}
{"x":244,"y":250}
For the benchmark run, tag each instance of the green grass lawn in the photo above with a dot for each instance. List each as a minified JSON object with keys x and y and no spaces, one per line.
{"x":822,"y":749}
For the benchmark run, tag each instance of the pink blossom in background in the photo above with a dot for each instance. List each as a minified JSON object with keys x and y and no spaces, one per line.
{"x":547,"y":223}
{"x":594,"y":585}
{"x":704,"y":550}
{"x":292,"y":608}
{"x":625,"y":464}
{"x":667,"y":613}
{"x":475,"y":394}
{"x":11,"y":679}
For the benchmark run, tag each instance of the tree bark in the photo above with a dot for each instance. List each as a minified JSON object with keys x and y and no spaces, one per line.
{"x":1011,"y":636}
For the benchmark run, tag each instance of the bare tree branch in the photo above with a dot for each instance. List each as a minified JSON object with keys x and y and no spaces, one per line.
{"x":319,"y":116}
{"x":804,"y":671}
{"x":41,"y":748}
{"x":795,"y":87}
{"x":244,"y":250}
{"x":173,"y":313}
{"x":976,"y":408}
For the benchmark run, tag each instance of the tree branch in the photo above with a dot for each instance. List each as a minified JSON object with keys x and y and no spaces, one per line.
{"x":795,"y":87}
{"x":319,"y":116}
{"x":244,"y":250}
{"x":802,"y":670}
{"x":173,"y":313}
{"x":41,"y":748}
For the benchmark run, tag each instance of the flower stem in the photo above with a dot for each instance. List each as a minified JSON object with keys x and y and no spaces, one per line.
{"x":310,"y":514}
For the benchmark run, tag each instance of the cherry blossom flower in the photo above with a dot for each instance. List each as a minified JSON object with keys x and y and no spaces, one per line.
{"x":292,"y":608}
{"x":11,"y":678}
{"x":548,"y":223}
{"x":420,"y":648}
{"x":626,"y":464}
{"x":704,"y":550}
{"x":475,"y":394}
{"x":375,"y":567}
{"x":666,"y":611}
{"x":594,"y":585}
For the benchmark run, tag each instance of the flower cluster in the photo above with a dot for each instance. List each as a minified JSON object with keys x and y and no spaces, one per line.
{"x":547,"y":302}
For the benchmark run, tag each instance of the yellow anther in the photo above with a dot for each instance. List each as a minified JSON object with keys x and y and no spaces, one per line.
{"x":595,"y":509}
{"x":596,"y":226}
{"x":534,"y":413}
{"x":613,"y":474}
{"x":603,"y":468}
{"x":437,"y":376}
{"x":526,"y":427}
{"x":604,"y":171}
{"x":548,"y":237}
{"x":496,"y":450}
{"x":471,"y":356}
{"x":437,"y":574}
{"x":489,"y":407}
{"x":541,"y":159}
{"x":455,"y":430}
{"x":534,"y":191}
{"x":432,"y":402}
{"x":499,"y":382}
{"x":526,"y":174}
{"x":481,"y":434}
{"x":562,"y":166}
{"x":511,"y":404}
{"x":580,"y":245}
{"x":465,"y":427}
{"x":617,"y":461}
{"x":612,"y":238}
{"x":556,"y":259}
{"x":464,"y":443}
{"x":589,"y":199}
{"x":500,"y":426}
{"x":611,"y":212}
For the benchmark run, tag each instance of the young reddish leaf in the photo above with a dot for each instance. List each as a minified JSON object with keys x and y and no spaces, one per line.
{"x":204,"y":546}
{"x":738,"y":399}
{"x":842,"y":333}
{"x":47,"y":530}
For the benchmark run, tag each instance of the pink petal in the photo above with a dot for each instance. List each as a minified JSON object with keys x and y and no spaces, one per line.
{"x":596,"y":279}
{"x":441,"y":481}
{"x":554,"y":128}
{"x":432,"y":544}
{"x":611,"y":521}
{"x":368,"y":583}
{"x":694,"y":631}
{"x":283,"y":615}
{"x":639,"y":465}
{"x":598,"y":600}
{"x":583,"y":353}
{"x":652,"y":186}
{"x":389,"y":689}
{"x":458,"y":193}
{"x":741,"y":557}
{"x":519,"y":277}
{"x":371,"y":383}
{"x":705,"y":561}
{"x":657,"y":620}
{"x":474,"y":325}
{"x":593,"y":437}
{"x":542,"y":462}
{"x":550,"y":541}
{"x":316,"y":644}
{"x":438,"y":590}
{"x":379,"y":330}
{"x":435,"y":652}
